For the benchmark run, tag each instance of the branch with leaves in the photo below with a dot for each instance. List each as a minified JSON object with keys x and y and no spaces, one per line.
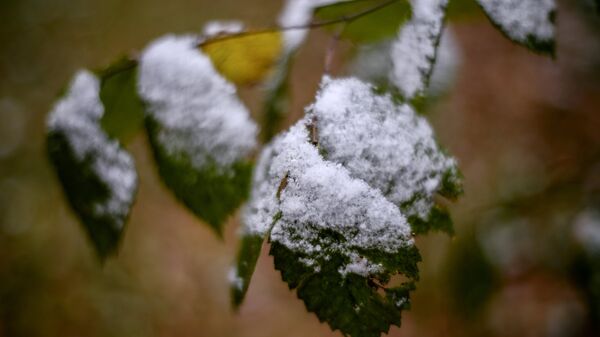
{"x":340,"y":195}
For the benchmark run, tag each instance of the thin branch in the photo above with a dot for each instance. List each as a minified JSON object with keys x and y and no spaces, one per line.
{"x":312,"y":25}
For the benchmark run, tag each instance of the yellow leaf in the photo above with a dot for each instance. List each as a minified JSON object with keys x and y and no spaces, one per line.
{"x":244,"y":58}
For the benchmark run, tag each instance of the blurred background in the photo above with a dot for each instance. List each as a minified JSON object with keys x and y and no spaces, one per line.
{"x":525,"y":260}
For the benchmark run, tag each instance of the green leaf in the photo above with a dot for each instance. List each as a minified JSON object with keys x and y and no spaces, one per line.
{"x":248,"y":254}
{"x":462,"y":10}
{"x":438,"y":220}
{"x":356,"y":305}
{"x":212,"y":193}
{"x":538,"y":35}
{"x":98,"y":176}
{"x":123,"y":110}
{"x":375,"y":26}
{"x":246,"y":262}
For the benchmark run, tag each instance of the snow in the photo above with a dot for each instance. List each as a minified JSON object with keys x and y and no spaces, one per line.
{"x":414,"y":51}
{"x":373,"y":155}
{"x":522,"y":19}
{"x":587,"y":230}
{"x":218,"y":27}
{"x":379,"y":141}
{"x":235,"y":280}
{"x":199,"y":113}
{"x":77,"y":116}
{"x":258,"y":214}
{"x":373,"y":63}
{"x":322,"y":196}
{"x":297,"y":13}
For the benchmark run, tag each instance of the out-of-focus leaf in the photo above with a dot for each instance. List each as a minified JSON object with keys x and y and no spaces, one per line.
{"x":97,"y":174}
{"x":377,"y":25}
{"x":123,"y":110}
{"x":276,"y":101}
{"x":244,"y":58}
{"x":212,"y":193}
{"x":462,"y":10}
{"x":530,"y":23}
{"x":246,"y":262}
{"x":248,"y":254}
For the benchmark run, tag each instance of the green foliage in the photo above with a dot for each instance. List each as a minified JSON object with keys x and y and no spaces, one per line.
{"x":123,"y":110}
{"x":376,"y":26}
{"x":84,"y":190}
{"x":246,"y":262}
{"x":356,"y":305}
{"x":438,"y":220}
{"x":462,"y":10}
{"x":248,"y":254}
{"x":212,"y":193}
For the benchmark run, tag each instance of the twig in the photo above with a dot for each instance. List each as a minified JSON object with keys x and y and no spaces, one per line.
{"x":312,"y":25}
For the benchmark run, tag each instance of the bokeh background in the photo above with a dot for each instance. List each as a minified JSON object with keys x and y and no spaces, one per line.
{"x":525,"y":260}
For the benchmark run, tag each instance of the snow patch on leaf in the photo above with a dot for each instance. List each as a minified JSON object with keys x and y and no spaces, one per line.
{"x":587,"y":230}
{"x":321,"y":196}
{"x":382,"y":142}
{"x":198,"y":110}
{"x":218,"y":27}
{"x":298,"y":13}
{"x":77,"y":117}
{"x":258,"y":214}
{"x":414,"y":51}
{"x":529,"y":22}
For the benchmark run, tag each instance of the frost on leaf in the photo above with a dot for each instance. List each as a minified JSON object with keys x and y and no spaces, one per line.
{"x":528,"y":22}
{"x":414,"y":51}
{"x":199,"y":130}
{"x":387,"y":145}
{"x":98,"y":176}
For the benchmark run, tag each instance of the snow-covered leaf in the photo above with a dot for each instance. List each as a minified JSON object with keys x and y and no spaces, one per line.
{"x":387,"y":145}
{"x":379,"y":24}
{"x":338,"y":195}
{"x":373,"y":63}
{"x":123,"y":110}
{"x":414,"y":51}
{"x":333,"y":237}
{"x":200,"y":131}
{"x":97,"y":174}
{"x":527,"y":22}
{"x":244,"y":58}
{"x":337,"y":240}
